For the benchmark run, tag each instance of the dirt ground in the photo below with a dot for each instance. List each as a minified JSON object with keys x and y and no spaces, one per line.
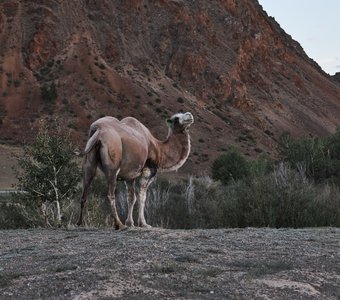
{"x":7,"y":162}
{"x":83,"y":263}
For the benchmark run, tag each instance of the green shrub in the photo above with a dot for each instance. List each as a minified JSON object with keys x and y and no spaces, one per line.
{"x":17,"y":82}
{"x":14,"y":214}
{"x":319,"y":157}
{"x":280,"y":198}
{"x":49,"y":92}
{"x":260,"y":166}
{"x":333,"y":144}
{"x":48,"y":175}
{"x":230,"y":166}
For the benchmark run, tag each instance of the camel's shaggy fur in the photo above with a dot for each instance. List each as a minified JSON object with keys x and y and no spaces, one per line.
{"x":127,"y":150}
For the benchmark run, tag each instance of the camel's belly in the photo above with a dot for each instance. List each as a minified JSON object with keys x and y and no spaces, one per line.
{"x":128,"y":174}
{"x":134,"y":156}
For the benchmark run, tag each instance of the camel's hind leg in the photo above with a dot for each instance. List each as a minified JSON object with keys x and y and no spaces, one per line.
{"x":148,"y":176}
{"x":110,"y":161}
{"x":89,"y":171}
{"x":110,"y":158}
{"x":131,"y":202}
{"x":111,"y":177}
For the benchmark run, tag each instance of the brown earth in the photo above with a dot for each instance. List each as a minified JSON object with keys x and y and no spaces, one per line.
{"x":170,"y":264}
{"x":245,"y":80}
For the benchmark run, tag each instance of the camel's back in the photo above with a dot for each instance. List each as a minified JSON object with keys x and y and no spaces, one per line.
{"x":104,"y":123}
{"x":128,"y":123}
{"x":127,"y":129}
{"x":133,"y":126}
{"x":109,"y":124}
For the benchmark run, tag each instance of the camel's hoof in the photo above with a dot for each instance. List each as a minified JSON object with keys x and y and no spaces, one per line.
{"x":129,"y":224}
{"x":121,"y":227}
{"x":145,"y":225}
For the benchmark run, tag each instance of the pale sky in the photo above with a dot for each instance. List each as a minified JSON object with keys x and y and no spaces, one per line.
{"x":315,"y":24}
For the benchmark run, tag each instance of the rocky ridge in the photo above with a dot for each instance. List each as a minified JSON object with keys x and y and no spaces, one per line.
{"x":245,"y":80}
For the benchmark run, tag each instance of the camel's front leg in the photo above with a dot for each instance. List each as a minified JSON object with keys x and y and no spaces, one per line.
{"x":131,"y":202}
{"x":146,"y":179}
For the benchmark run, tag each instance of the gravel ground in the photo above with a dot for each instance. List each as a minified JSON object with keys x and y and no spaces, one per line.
{"x":158,"y":263}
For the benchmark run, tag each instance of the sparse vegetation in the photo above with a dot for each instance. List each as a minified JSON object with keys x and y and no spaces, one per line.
{"x":245,"y":136}
{"x":3,"y":112}
{"x":7,"y":278}
{"x":166,"y":267}
{"x":300,"y":191}
{"x":280,"y":198}
{"x":49,"y":93}
{"x":17,"y":82}
{"x":180,"y":100}
{"x":51,"y":63}
{"x":72,"y":125}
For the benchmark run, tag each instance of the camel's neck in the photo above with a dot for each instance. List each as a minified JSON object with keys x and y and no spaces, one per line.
{"x":174,"y":151}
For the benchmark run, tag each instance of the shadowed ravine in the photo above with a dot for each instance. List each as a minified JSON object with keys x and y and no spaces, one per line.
{"x":170,"y":264}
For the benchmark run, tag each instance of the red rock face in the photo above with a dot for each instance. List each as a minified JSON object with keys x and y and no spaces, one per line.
{"x":245,"y":80}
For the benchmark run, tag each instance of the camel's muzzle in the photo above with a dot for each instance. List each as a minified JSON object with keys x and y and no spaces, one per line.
{"x":188,"y":118}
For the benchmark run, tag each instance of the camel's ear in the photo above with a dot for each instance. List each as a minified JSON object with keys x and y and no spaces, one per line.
{"x":169,"y":123}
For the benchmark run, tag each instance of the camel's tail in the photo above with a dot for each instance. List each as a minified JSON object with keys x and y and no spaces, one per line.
{"x":93,"y":140}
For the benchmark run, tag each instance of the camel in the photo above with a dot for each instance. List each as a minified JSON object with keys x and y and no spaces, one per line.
{"x":126,"y":150}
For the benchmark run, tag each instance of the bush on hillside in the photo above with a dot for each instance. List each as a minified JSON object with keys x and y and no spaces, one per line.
{"x":319,"y":158}
{"x":49,"y":93}
{"x":230,"y":166}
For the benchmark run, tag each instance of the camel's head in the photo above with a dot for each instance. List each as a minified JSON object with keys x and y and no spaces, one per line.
{"x":180,"y":122}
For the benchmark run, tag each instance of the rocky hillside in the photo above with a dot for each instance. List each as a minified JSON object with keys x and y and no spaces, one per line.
{"x":245,"y":80}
